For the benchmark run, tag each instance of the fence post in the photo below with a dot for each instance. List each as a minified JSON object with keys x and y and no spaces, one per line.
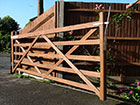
{"x":102,"y":58}
{"x":12,"y":52}
{"x":60,"y":23}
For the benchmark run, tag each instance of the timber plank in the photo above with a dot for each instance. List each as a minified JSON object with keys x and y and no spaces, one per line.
{"x":68,"y":82}
{"x":26,"y":53}
{"x":59,"y":68}
{"x":64,"y":43}
{"x":87,"y":35}
{"x":12,"y":53}
{"x":29,"y":58}
{"x":94,"y":10}
{"x":102,"y":60}
{"x":52,"y":56}
{"x":73,"y":67}
{"x":58,"y":30}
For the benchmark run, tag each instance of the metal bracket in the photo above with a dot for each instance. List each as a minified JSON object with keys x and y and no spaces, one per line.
{"x":14,"y":37}
{"x":97,"y":24}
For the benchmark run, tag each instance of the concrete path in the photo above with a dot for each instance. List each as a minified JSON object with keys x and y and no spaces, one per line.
{"x":15,"y":91}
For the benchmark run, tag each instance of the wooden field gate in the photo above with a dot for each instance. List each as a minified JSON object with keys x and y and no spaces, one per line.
{"x":22,"y":54}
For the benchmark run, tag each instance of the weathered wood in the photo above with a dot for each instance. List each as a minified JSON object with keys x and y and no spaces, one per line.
{"x":12,"y":53}
{"x":37,"y":45}
{"x":58,"y":30}
{"x":85,"y":58}
{"x":76,"y":84}
{"x":25,"y":53}
{"x":57,"y":56}
{"x":40,"y":22}
{"x":124,"y":38}
{"x":95,"y":10}
{"x":102,"y":59}
{"x":73,"y":67}
{"x":59,"y":68}
{"x":29,"y":58}
{"x":74,"y":48}
{"x":64,"y":43}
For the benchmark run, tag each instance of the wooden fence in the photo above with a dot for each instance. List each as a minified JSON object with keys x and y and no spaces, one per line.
{"x":123,"y":43}
{"x":26,"y":57}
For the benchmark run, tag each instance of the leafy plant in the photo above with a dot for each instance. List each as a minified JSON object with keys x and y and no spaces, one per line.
{"x":132,"y":94}
{"x":18,"y":75}
{"x":47,"y":81}
{"x":119,"y":17}
{"x":21,"y":76}
{"x":109,"y":57}
{"x":5,"y":42}
{"x":7,"y":24}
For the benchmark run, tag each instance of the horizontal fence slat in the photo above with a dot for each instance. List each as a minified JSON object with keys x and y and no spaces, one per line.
{"x":95,"y":10}
{"x":47,"y":56}
{"x":52,"y":56}
{"x":43,"y":44}
{"x":82,"y":42}
{"x":123,"y":38}
{"x":68,"y":82}
{"x":58,"y":30}
{"x":86,"y":58}
{"x":63,"y":69}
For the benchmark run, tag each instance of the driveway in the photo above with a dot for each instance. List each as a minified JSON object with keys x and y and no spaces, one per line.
{"x":15,"y":91}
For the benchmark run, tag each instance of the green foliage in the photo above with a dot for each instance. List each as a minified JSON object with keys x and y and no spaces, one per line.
{"x":21,"y":76}
{"x":119,"y":17}
{"x":47,"y":81}
{"x":7,"y":24}
{"x":132,"y":94}
{"x":5,"y":42}
{"x":97,"y":67}
{"x":109,"y":57}
{"x":18,"y":75}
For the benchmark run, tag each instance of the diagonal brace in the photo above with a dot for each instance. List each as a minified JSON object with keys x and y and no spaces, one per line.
{"x":25,"y":53}
{"x":73,"y":48}
{"x":29,"y":58}
{"x":72,"y":66}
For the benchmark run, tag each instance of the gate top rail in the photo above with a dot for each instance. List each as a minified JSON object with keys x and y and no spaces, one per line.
{"x":61,"y":29}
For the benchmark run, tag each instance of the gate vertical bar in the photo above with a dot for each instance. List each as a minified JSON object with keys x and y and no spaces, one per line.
{"x":102,"y":59}
{"x":12,"y":52}
{"x":15,"y":48}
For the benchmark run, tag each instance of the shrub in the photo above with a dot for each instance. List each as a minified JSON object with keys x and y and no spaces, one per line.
{"x":132,"y":94}
{"x":5,"y":42}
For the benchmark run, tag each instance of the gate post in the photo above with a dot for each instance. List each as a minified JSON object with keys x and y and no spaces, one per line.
{"x":60,"y":23}
{"x":102,"y":58}
{"x":12,"y":52}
